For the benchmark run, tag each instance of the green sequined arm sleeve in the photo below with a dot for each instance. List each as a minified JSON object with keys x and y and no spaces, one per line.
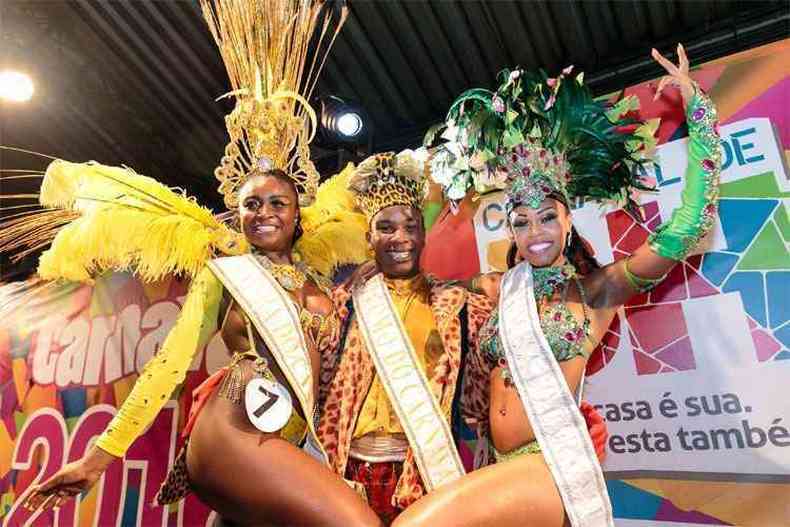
{"x":168,"y":368}
{"x":696,"y":215}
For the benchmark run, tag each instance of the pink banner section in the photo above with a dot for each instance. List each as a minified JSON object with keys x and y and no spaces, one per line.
{"x":68,"y":361}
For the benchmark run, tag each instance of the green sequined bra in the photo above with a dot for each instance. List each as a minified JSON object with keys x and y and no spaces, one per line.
{"x":566,"y":337}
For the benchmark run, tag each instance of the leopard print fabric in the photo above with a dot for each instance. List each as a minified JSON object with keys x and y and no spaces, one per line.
{"x":346,"y":391}
{"x":476,"y":388}
{"x":176,"y":485}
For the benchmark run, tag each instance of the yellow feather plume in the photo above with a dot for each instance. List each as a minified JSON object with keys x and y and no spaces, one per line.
{"x":334,"y":231}
{"x":127,"y":222}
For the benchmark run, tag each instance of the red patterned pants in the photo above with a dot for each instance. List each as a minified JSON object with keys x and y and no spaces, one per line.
{"x":380,"y":480}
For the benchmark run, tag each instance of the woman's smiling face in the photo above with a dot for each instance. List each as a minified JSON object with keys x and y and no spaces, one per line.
{"x":540,"y":234}
{"x":269,"y":208}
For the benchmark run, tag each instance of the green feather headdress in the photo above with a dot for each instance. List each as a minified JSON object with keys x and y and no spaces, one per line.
{"x":536,"y":136}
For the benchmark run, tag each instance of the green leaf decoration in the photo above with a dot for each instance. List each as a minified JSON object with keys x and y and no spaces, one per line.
{"x":512,"y":138}
{"x":604,"y":149}
{"x":433,"y":131}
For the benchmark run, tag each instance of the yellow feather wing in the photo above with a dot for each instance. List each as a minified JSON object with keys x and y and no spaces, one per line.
{"x":127,"y":221}
{"x":334,"y":231}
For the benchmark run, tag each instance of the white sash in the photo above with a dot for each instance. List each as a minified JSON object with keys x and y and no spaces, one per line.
{"x":274,"y":315}
{"x":406,"y":385}
{"x":559,"y":426}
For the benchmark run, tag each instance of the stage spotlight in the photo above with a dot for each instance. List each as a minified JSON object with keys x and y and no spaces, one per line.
{"x":349,"y":124}
{"x":15,"y":86}
{"x":342,"y":122}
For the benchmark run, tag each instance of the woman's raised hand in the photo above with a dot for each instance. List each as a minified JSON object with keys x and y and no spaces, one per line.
{"x":677,"y":75}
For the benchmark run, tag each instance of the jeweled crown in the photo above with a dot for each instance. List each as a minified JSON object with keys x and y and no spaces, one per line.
{"x":534,"y":172}
{"x":388,"y":179}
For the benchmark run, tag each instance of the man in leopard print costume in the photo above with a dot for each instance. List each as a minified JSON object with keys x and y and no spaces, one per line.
{"x":362,"y":436}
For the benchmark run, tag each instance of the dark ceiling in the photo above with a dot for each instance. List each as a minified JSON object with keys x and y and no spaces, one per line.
{"x":135,"y":82}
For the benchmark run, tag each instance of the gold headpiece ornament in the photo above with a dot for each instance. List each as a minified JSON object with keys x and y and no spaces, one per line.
{"x":265,"y":46}
{"x":388,"y":179}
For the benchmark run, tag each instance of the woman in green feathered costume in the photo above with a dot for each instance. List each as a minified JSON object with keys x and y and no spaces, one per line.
{"x":547,"y":141}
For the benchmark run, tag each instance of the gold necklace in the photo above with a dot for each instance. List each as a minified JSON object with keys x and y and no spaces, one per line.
{"x":408,"y":289}
{"x":287,"y":275}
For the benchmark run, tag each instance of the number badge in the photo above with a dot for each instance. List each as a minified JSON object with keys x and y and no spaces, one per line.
{"x":268,"y":404}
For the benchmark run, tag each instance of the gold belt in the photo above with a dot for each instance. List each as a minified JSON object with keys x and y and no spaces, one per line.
{"x":530,"y":448}
{"x":375,"y":448}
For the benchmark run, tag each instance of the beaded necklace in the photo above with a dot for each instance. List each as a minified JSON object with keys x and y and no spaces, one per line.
{"x":566,"y":337}
{"x":549,"y":279}
{"x":564,"y":334}
{"x":290,"y":276}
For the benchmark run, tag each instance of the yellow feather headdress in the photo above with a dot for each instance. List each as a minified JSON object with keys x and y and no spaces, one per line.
{"x":114,"y":218}
{"x":334,"y":233}
{"x":99,"y":218}
{"x":266,"y":45}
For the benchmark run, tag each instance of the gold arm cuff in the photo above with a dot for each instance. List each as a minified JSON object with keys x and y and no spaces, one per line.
{"x":639,"y":283}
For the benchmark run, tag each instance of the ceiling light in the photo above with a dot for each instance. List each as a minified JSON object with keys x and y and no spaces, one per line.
{"x":15,"y":86}
{"x":349,"y":124}
{"x":342,"y":122}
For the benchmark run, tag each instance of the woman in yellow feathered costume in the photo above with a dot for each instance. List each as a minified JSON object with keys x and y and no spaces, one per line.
{"x":133,"y":209}
{"x":264,"y":287}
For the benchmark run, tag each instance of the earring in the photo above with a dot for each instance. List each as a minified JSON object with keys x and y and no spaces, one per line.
{"x":567,"y":249}
{"x":298,"y":231}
